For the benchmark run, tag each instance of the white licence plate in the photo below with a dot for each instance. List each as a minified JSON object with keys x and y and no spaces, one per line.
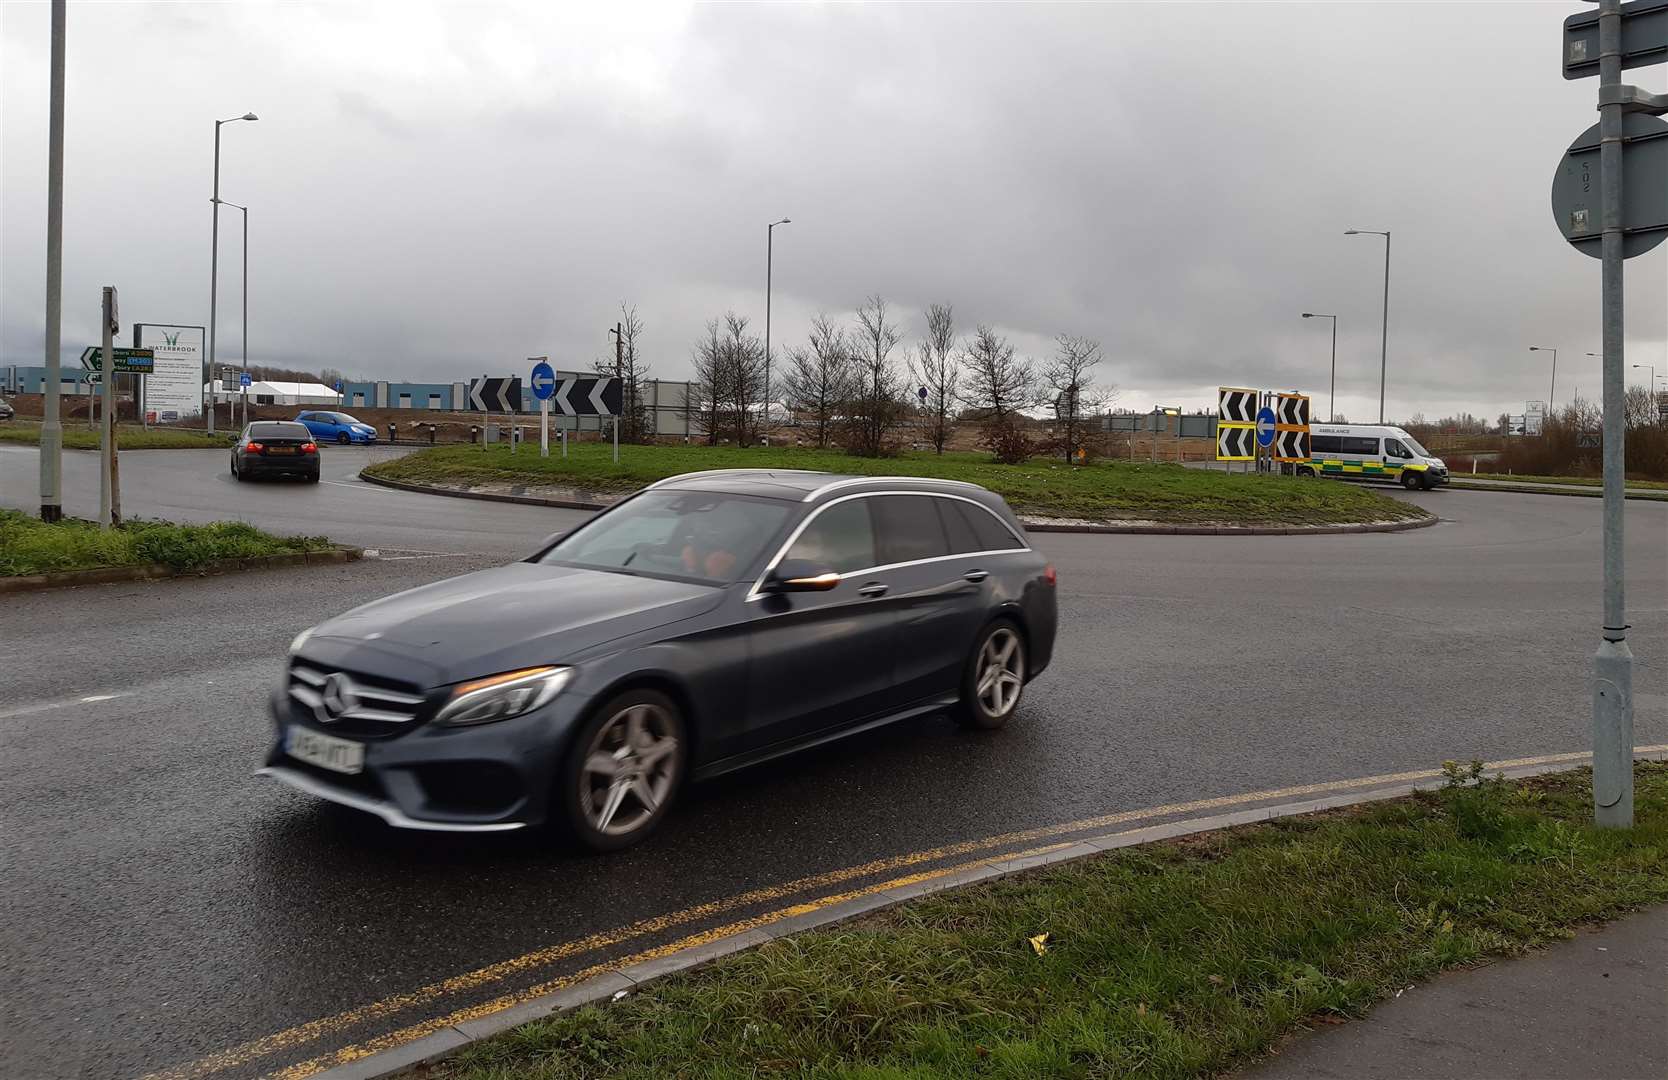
{"x":325,"y":751}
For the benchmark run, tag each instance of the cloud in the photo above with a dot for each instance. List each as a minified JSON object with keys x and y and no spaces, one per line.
{"x":438,"y":191}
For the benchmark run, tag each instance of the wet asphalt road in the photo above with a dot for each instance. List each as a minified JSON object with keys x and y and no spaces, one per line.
{"x":163,"y":906}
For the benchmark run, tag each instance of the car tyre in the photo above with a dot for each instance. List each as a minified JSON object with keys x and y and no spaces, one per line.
{"x":342,"y":438}
{"x":1308,"y":472}
{"x":313,"y":477}
{"x":623,"y":771}
{"x":995,"y":677}
{"x":1412,"y":481}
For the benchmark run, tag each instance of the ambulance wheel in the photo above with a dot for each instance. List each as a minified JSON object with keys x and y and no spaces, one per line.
{"x":1412,"y":481}
{"x":1306,"y":471}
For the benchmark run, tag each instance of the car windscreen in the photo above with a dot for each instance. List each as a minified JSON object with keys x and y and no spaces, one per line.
{"x":279,"y":431}
{"x":1413,"y":444}
{"x":705,"y":536}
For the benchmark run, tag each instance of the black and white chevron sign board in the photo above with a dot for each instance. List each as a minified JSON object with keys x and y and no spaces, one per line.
{"x":586,"y":397}
{"x":1291,"y":409}
{"x":1291,"y":444}
{"x":1236,"y":442}
{"x":1236,"y":405}
{"x":495,"y":395}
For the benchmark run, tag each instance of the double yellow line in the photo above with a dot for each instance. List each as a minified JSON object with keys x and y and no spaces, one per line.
{"x":313,"y":1030}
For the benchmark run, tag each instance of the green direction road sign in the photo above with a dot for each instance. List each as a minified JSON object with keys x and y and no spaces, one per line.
{"x":128,"y":361}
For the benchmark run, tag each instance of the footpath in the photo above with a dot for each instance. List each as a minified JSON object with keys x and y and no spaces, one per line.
{"x":1595,"y":1006}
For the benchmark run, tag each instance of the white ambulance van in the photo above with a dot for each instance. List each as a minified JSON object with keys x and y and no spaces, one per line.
{"x":1372,"y":452}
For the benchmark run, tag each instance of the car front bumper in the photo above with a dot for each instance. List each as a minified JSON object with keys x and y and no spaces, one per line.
{"x":487,"y":778}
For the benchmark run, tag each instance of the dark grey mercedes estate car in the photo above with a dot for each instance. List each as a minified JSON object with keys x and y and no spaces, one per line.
{"x":708,"y":622}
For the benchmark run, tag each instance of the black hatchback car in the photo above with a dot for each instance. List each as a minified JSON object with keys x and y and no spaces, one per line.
{"x":276,"y":448}
{"x":709,"y":622}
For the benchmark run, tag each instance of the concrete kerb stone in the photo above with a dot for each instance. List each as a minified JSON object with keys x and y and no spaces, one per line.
{"x":110,"y":575}
{"x":1030,"y":526}
{"x":604,"y":986}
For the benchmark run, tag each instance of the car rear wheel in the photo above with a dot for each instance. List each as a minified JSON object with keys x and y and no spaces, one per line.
{"x":313,"y":477}
{"x":995,"y":677}
{"x":624,"y":771}
{"x":235,"y":474}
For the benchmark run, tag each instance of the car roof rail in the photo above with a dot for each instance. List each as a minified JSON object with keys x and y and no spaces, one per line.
{"x":713,"y":474}
{"x":852,"y":481}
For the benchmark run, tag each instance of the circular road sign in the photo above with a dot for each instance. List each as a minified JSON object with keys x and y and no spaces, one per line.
{"x":543,"y":380}
{"x":1576,"y":188}
{"x":244,"y":379}
{"x":1265,"y":426}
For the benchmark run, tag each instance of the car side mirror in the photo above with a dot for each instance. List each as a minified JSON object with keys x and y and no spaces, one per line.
{"x":799,"y":575}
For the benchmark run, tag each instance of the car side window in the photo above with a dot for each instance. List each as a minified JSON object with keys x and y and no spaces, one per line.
{"x":1355,"y":444}
{"x":993,"y":534}
{"x":1394,"y":448}
{"x":957,"y":528}
{"x":909,"y":528}
{"x":1324,"y":444}
{"x":841,"y":538}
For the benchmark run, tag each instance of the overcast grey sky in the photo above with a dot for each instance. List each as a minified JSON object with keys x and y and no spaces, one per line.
{"x":440,"y":190}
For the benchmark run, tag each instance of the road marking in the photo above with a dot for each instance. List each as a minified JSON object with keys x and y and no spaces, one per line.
{"x":316,"y":1029}
{"x":49,"y":706}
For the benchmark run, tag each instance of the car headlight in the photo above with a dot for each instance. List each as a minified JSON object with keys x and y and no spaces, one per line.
{"x":301,"y":639}
{"x":499,"y":697}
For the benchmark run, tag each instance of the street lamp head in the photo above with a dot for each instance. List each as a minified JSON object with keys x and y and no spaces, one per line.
{"x":1308,"y":314}
{"x":248,"y":116}
{"x":1352,"y":232}
{"x":784,"y":221}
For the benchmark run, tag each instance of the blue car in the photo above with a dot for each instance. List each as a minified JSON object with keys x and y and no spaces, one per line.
{"x":337,"y":427}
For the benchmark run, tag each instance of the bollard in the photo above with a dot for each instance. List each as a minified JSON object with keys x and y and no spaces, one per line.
{"x":431,"y":434}
{"x":393,"y":432}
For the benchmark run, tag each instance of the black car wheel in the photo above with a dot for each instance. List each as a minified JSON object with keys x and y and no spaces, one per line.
{"x":1412,"y":481}
{"x":624,"y":770}
{"x":313,"y":477}
{"x":237,"y":473}
{"x":342,"y":437}
{"x":995,"y":677}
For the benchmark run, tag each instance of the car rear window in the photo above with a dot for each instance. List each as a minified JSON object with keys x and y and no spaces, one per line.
{"x":279,"y":431}
{"x":994,"y":534}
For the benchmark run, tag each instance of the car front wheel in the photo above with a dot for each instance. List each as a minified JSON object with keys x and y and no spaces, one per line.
{"x":342,"y":437}
{"x":995,"y":677}
{"x":1412,"y":481}
{"x":624,"y":771}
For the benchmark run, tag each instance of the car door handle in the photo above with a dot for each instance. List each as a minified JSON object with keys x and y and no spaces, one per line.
{"x":976,"y":575}
{"x":873,"y":588}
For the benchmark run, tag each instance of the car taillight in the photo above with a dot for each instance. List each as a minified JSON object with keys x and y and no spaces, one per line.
{"x":255,"y":448}
{"x":1049,"y":576}
{"x":309,"y":448}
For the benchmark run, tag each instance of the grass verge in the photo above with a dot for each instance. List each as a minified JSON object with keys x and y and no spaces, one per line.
{"x":30,"y":546}
{"x":1106,"y":491}
{"x":1573,"y":481}
{"x":128,"y":437}
{"x":1171,"y":960}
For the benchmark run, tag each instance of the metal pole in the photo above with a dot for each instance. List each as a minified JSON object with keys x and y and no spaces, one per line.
{"x":1613,"y":662}
{"x":214,"y":274}
{"x":1384,"y":332}
{"x":1551,"y":391}
{"x":107,"y":390}
{"x":1332,"y":393}
{"x":52,"y":430}
{"x":544,"y":428}
{"x":616,"y":440}
{"x":770,"y":238}
{"x":245,"y":389}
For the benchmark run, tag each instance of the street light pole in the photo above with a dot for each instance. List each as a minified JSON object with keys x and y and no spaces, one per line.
{"x":245,"y":209}
{"x":1332,"y":393}
{"x":770,"y":237}
{"x":52,"y":430}
{"x":214,"y":260}
{"x":1552,"y":388}
{"x":1384,"y":333}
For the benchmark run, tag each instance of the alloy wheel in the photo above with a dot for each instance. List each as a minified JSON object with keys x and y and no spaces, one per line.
{"x":629,"y":769}
{"x":1001,"y":673}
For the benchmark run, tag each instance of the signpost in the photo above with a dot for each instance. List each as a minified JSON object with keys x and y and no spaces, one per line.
{"x":544,"y":384}
{"x":1291,"y":427}
{"x":243,"y":382}
{"x":174,"y":387}
{"x":1236,"y":411}
{"x":1265,"y":427}
{"x":1614,"y":185}
{"x":128,"y":361}
{"x":109,"y":503}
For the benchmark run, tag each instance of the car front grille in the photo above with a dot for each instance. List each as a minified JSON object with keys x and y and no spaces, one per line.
{"x":351,"y":703}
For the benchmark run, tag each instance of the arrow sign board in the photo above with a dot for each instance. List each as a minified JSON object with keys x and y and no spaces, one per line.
{"x":128,"y":361}
{"x":1265,"y":426}
{"x":543,"y":380}
{"x":581,"y":396}
{"x":1576,"y":188}
{"x":495,"y":395}
{"x":1234,"y":442}
{"x":1291,"y":445}
{"x":1236,"y":405}
{"x":1291,"y":427}
{"x":1644,"y":38}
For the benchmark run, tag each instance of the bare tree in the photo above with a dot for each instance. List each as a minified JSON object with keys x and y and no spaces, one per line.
{"x":938,"y":372}
{"x":877,"y":400}
{"x":820,"y":377}
{"x":997,"y":385}
{"x":1076,"y":398}
{"x":729,"y":376}
{"x":632,"y":370}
